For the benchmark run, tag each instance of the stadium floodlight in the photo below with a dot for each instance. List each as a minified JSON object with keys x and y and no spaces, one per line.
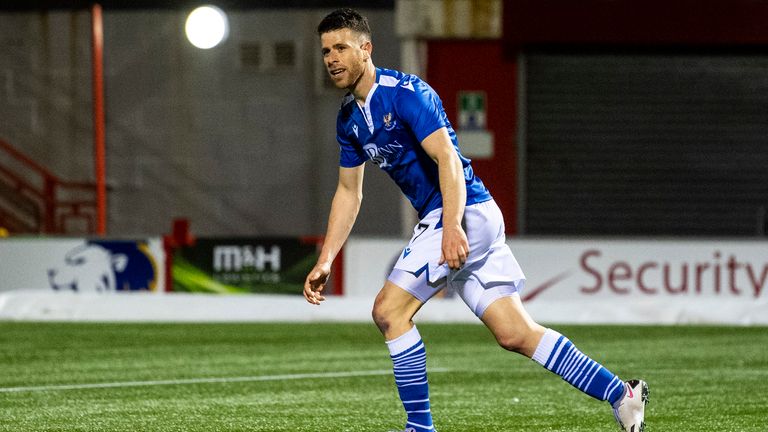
{"x":207,"y":26}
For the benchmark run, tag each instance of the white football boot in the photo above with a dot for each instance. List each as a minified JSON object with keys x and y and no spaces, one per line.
{"x":630,"y":411}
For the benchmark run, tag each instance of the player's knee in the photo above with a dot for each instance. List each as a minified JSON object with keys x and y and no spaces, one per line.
{"x":515,"y":342}
{"x":379,"y":319}
{"x":387,"y":318}
{"x":382,"y":317}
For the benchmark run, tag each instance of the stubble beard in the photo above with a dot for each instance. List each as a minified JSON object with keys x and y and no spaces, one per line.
{"x":355,"y":76}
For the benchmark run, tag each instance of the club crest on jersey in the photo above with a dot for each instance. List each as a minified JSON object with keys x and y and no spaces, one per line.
{"x":389,"y":122}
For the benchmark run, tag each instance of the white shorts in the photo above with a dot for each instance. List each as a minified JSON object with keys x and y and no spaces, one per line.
{"x":491,"y":271}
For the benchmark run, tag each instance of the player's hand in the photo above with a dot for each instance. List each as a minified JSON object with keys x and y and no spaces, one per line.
{"x":315,"y":283}
{"x":455,"y":247}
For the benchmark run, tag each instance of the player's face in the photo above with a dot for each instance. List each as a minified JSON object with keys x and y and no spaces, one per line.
{"x":346,"y":54}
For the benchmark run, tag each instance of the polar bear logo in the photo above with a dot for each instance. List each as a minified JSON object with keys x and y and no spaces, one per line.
{"x":101,"y":267}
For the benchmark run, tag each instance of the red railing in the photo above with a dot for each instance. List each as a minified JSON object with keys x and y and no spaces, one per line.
{"x":38,"y":201}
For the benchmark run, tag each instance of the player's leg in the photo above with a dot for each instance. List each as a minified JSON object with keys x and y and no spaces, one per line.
{"x":512,"y":327}
{"x":489,"y":285}
{"x":415,"y":278}
{"x":516,"y":331}
{"x":393,"y":312}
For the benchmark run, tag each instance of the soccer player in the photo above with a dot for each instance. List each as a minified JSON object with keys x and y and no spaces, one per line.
{"x":397,"y":121}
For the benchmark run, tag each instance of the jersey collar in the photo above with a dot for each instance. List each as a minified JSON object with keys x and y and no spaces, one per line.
{"x":365,"y":109}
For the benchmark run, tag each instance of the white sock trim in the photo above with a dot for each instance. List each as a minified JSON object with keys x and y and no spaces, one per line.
{"x":404,"y":341}
{"x":546,"y":345}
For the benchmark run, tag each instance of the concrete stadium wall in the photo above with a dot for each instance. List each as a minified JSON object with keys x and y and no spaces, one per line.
{"x":226,"y":137}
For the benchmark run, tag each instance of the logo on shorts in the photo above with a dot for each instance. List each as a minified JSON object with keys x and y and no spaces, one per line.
{"x":406,"y":252}
{"x":425,"y":269}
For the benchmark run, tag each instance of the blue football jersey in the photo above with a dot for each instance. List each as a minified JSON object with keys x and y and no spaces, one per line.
{"x":399,"y":112}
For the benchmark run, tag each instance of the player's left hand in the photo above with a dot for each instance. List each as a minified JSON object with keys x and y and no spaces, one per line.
{"x":455,"y":247}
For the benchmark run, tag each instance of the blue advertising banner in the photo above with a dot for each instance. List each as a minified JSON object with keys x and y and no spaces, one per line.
{"x":81,"y":265}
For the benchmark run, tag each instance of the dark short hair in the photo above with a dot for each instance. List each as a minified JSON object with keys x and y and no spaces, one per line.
{"x":344,"y":18}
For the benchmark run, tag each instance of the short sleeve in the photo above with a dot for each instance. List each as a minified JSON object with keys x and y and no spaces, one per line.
{"x":420,"y":107}
{"x":349,"y":155}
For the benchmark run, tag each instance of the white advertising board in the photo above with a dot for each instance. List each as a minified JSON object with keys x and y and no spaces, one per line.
{"x":614,"y":281}
{"x":81,"y":265}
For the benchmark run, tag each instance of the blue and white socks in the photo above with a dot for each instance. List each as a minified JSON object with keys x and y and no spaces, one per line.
{"x":410,"y":366}
{"x":556,"y":353}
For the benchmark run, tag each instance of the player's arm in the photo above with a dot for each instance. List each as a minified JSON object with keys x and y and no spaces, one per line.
{"x":344,"y":209}
{"x":439,"y":147}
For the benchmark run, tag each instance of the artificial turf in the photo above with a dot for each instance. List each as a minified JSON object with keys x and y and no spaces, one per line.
{"x":161,"y":377}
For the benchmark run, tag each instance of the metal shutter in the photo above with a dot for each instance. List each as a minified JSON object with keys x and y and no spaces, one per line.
{"x":645,"y":144}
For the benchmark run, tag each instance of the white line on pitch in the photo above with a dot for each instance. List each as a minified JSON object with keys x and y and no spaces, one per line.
{"x":319,"y":375}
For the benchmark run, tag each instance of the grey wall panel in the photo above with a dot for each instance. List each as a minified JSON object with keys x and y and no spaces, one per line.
{"x":646,"y":144}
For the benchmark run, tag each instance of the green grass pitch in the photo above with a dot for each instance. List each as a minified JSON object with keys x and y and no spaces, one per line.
{"x":248,"y":377}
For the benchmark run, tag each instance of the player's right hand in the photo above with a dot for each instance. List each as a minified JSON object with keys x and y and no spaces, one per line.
{"x":455,"y":247}
{"x":315,"y":283}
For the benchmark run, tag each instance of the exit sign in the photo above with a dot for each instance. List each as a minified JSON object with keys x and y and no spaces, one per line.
{"x":472,"y":110}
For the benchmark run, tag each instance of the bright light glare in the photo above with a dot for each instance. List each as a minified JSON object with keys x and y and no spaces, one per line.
{"x":207,"y":27}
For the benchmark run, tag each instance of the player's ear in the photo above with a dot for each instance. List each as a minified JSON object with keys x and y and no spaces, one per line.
{"x":368,"y":48}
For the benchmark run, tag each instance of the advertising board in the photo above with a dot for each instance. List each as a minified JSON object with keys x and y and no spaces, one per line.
{"x":244,"y":265}
{"x":81,"y":265}
{"x":614,"y":281}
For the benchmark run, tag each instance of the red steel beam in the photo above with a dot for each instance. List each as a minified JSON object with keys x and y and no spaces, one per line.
{"x":98,"y":118}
